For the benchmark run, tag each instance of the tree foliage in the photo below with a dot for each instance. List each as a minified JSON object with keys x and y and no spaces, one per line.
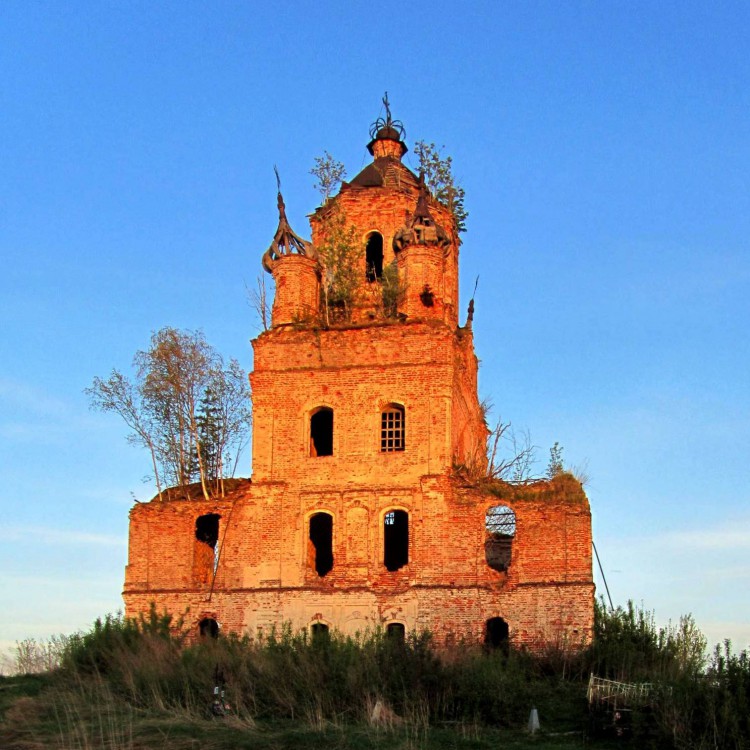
{"x":341,"y":260}
{"x":555,"y":465}
{"x":392,"y":290}
{"x":260,"y":298}
{"x":510,"y":454}
{"x":439,"y":177}
{"x":185,"y":405}
{"x":330,"y":174}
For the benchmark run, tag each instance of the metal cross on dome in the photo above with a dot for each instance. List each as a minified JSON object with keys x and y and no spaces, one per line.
{"x":396,"y":127}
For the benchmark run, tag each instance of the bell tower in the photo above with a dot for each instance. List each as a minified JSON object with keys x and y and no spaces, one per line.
{"x":370,"y":505}
{"x":393,"y":344}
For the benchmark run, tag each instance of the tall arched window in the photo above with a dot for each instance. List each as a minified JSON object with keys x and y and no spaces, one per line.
{"x":500,"y":530}
{"x":392,"y":429}
{"x":395,"y":539}
{"x":321,"y":432}
{"x":374,"y":256}
{"x":320,"y":543}
{"x":206,"y":547}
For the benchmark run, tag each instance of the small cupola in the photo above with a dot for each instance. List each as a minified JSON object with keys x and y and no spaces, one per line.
{"x":421,"y":229}
{"x":293,"y":262}
{"x":387,"y":135}
{"x":285,"y":241}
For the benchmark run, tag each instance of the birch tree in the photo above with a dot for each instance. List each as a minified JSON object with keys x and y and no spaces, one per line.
{"x":186,"y":405}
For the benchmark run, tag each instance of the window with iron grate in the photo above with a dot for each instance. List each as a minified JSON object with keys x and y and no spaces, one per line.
{"x":392,"y":429}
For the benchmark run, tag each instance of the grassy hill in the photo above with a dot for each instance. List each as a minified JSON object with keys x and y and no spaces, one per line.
{"x":128,"y":685}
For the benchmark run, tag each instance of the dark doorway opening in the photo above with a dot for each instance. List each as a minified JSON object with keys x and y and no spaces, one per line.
{"x":396,"y":539}
{"x":208,"y":628}
{"x":321,"y":543}
{"x":321,"y":432}
{"x":396,"y":631}
{"x":496,"y":634}
{"x":374,"y":257}
{"x":319,"y":632}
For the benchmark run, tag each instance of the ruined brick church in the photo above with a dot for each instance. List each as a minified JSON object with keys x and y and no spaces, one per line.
{"x":369,"y":505}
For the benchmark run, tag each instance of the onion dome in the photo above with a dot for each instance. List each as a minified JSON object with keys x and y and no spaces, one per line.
{"x":286,"y":241}
{"x":421,"y":229}
{"x":387,"y":135}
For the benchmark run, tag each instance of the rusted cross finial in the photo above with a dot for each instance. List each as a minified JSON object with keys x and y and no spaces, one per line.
{"x":279,"y":198}
{"x":278,"y":179}
{"x":387,"y":106}
{"x":387,"y":123}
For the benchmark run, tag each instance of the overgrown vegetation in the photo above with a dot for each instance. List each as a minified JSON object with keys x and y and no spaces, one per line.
{"x":341,"y":261}
{"x":329,"y":173}
{"x":392,"y":290}
{"x":439,"y":177}
{"x":136,"y":684}
{"x":187,"y":406}
{"x":555,"y":465}
{"x":260,"y":299}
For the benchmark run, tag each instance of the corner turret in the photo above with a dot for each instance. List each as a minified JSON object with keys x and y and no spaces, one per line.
{"x":422,"y":247}
{"x":293,"y":263}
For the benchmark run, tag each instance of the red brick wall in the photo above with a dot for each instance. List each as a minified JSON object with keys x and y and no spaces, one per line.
{"x":265,"y":576}
{"x":356,"y":372}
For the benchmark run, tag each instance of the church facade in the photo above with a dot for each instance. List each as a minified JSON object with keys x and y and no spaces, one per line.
{"x":369,"y":505}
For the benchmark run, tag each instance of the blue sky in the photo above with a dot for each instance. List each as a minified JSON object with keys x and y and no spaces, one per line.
{"x":604,"y":149}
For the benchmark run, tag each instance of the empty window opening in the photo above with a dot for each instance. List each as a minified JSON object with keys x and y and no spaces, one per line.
{"x":319,"y":631}
{"x":396,"y":631}
{"x":500,"y":529}
{"x":392,"y":429}
{"x":496,"y":634}
{"x":206,"y":556}
{"x":208,"y":628}
{"x":396,"y":539}
{"x":374,"y":257}
{"x":321,"y":543}
{"x":321,"y":432}
{"x":427,"y":296}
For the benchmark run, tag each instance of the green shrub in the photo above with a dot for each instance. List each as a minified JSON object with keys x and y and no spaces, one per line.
{"x":335,"y":679}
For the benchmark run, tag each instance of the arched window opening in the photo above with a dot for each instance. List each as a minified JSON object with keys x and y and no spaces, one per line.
{"x":208,"y":628}
{"x":395,"y":539}
{"x":321,"y":432}
{"x":396,"y":631}
{"x":320,"y":548}
{"x":206,"y":548}
{"x":392,"y":429}
{"x":319,"y":632}
{"x":374,"y":257}
{"x":500,"y":529}
{"x":496,"y":634}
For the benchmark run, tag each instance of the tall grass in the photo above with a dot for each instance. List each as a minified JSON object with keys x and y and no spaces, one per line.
{"x":124,"y":672}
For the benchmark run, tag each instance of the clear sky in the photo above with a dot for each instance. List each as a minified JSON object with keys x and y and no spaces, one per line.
{"x":605,"y":152}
